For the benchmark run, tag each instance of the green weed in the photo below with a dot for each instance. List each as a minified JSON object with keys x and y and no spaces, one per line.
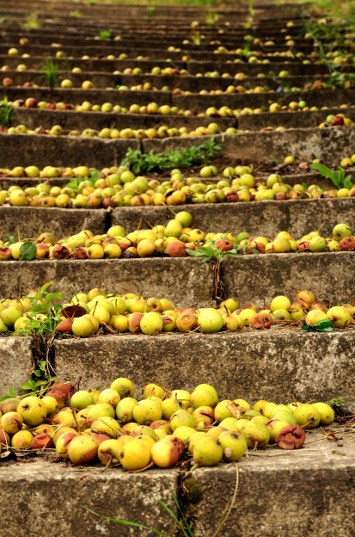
{"x":75,"y":14}
{"x":209,"y":252}
{"x":31,"y":23}
{"x":105,"y":34}
{"x":6,"y":112}
{"x":337,"y":177}
{"x":45,"y":315}
{"x":140,"y":162}
{"x":49,"y":72}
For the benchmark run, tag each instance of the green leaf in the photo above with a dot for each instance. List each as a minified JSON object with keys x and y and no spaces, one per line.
{"x":28,"y":385}
{"x":40,"y":383}
{"x":28,"y":251}
{"x":11,"y":239}
{"x":321,"y":326}
{"x":140,"y":162}
{"x":348,"y":182}
{"x":12,"y":393}
{"x":337,"y":177}
{"x":44,"y":287}
{"x":73,"y":184}
{"x":337,"y":402}
{"x":323,"y":170}
{"x":50,"y":297}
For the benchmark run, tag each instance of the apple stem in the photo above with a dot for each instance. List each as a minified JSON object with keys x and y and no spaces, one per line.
{"x":142,"y":469}
{"x":76,"y":421}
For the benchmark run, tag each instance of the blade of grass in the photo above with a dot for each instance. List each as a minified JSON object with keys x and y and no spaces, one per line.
{"x":124,"y":522}
{"x":176,"y":520}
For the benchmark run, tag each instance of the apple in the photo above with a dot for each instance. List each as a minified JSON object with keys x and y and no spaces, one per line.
{"x":147,"y":410}
{"x":135,"y":455}
{"x":151,"y":323}
{"x":169,"y":407}
{"x":106,"y":425}
{"x":110,"y":396}
{"x":82,"y":449}
{"x":165,"y":453}
{"x":234,"y":445}
{"x":66,"y":83}
{"x":340,"y":231}
{"x":307,"y":416}
{"x":109,"y":450}
{"x":81,"y":399}
{"x":210,"y":320}
{"x":314,"y":316}
{"x":257,"y":435}
{"x":207,"y":452}
{"x":22,"y":440}
{"x":100,"y":410}
{"x":11,"y":422}
{"x":82,"y":327}
{"x":32,"y":410}
{"x":41,"y":441}
{"x":339,"y":316}
{"x":326,"y":413}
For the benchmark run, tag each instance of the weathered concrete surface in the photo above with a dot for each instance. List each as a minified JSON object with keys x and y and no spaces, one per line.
{"x":291,"y":120}
{"x":59,"y":494}
{"x":279,"y":365}
{"x":77,"y":95}
{"x":86,"y":65}
{"x":253,"y":69}
{"x":304,"y":143}
{"x":39,"y":150}
{"x":98,"y":120}
{"x":304,"y":492}
{"x":15,"y":362}
{"x":185,"y":281}
{"x":239,"y":100}
{"x":265,"y":218}
{"x":258,"y":146}
{"x":31,"y":221}
{"x":330,"y":275}
{"x":314,"y":494}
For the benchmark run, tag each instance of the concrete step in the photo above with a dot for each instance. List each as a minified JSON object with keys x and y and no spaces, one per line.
{"x":188,"y":281}
{"x":112,"y":493}
{"x":328,"y":274}
{"x":316,"y":480}
{"x":185,"y":281}
{"x":282,"y":492}
{"x":31,"y":221}
{"x":15,"y":362}
{"x":265,"y":218}
{"x":307,"y":492}
{"x":253,"y":146}
{"x":261,"y":218}
{"x":279,"y":365}
{"x":99,"y":120}
{"x":305,"y":144}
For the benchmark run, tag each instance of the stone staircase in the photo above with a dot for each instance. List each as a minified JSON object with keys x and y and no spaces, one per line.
{"x":307,"y":492}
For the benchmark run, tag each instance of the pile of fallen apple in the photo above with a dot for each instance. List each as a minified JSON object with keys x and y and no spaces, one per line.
{"x":153,"y":108}
{"x":120,"y":187}
{"x":175,"y":239}
{"x":162,"y":428}
{"x":97,"y":312}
